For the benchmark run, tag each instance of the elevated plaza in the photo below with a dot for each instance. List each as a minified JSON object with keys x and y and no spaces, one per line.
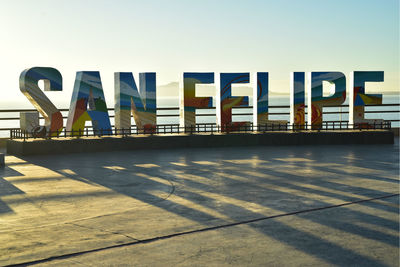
{"x":321,"y":205}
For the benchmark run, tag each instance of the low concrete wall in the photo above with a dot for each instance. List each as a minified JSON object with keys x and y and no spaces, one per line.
{"x":78,"y":145}
{"x":3,"y":142}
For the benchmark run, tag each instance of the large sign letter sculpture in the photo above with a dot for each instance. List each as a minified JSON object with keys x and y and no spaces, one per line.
{"x":28,"y":83}
{"x":260,"y":101}
{"x":297,"y":100}
{"x":189,"y":101}
{"x":359,"y":99}
{"x":316,"y":100}
{"x":228,"y":101}
{"x":142,"y":103}
{"x":88,"y":104}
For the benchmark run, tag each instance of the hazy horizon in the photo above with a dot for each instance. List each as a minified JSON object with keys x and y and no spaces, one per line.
{"x":23,"y":103}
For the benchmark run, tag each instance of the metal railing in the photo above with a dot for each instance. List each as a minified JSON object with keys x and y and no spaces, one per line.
{"x":208,"y":128}
{"x":330,"y":124}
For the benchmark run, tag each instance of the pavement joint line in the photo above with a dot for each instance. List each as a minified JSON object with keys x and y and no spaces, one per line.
{"x":154,"y":239}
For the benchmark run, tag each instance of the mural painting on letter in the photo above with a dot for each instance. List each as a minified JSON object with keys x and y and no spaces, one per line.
{"x":189,"y":101}
{"x":28,"y":84}
{"x":88,"y":104}
{"x":227,"y":101}
{"x":261,"y":103}
{"x":359,"y":99}
{"x":317,"y":101}
{"x":142,"y":103}
{"x":297,"y":100}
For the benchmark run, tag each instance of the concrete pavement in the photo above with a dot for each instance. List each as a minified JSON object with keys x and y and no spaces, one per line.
{"x":243,"y":206}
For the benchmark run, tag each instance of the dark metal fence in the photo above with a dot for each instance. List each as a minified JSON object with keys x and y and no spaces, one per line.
{"x":16,"y":133}
{"x":204,"y":128}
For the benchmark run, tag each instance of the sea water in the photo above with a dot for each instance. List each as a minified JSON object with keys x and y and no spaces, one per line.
{"x":285,"y":101}
{"x":163,"y":102}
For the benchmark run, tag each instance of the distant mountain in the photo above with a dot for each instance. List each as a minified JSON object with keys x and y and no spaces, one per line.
{"x":172,"y":89}
{"x":388,"y":93}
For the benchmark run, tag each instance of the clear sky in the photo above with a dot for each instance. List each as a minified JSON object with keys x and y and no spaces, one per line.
{"x":173,"y":36}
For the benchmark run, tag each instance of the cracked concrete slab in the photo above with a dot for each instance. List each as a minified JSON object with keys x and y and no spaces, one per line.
{"x":193,"y":207}
{"x":300,"y":240}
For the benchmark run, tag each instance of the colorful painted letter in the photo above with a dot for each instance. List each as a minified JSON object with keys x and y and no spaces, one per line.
{"x":88,"y":104}
{"x":28,"y":84}
{"x":228,"y":101}
{"x":142,"y":103}
{"x":297,"y":99}
{"x":359,"y":99}
{"x":260,"y":101}
{"x":316,"y":100}
{"x":189,"y":101}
